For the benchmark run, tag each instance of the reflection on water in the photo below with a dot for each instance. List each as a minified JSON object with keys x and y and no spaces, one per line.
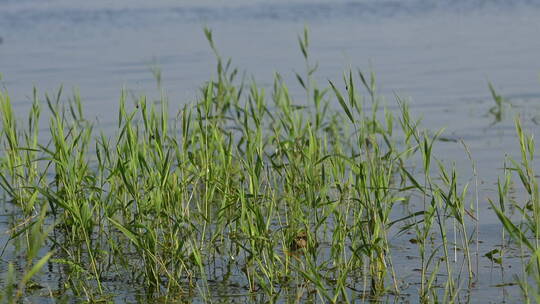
{"x":27,"y":13}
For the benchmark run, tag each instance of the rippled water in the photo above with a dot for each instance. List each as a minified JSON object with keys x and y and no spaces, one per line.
{"x":440,"y":54}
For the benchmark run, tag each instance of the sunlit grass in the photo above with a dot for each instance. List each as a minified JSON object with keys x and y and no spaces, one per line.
{"x":280,"y":200}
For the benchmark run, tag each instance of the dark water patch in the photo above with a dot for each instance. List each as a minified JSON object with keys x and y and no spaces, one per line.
{"x":135,"y":16}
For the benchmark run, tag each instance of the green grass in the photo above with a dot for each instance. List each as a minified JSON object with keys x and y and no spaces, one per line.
{"x":279,"y":200}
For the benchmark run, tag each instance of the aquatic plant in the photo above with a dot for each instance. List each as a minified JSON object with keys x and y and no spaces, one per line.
{"x":245,"y":188}
{"x":523,"y":227}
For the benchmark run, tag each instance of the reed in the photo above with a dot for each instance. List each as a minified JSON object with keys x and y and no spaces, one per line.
{"x":284,"y":200}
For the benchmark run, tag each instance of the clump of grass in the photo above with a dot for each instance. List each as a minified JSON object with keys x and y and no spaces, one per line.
{"x":245,"y":187}
{"x":525,"y":229}
{"x":34,"y":232}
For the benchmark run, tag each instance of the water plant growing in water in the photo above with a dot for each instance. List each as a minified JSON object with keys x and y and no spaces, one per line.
{"x":498,"y":109}
{"x":246,"y":188}
{"x":524,"y":226}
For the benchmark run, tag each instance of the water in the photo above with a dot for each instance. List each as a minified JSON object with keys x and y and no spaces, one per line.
{"x":439,"y":54}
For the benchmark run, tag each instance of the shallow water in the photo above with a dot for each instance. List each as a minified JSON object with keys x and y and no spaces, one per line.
{"x":441,"y":56}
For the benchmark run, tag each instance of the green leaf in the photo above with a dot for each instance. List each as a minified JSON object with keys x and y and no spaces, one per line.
{"x":514,"y":231}
{"x":128,"y":233}
{"x":36,"y":268}
{"x":342,"y":102}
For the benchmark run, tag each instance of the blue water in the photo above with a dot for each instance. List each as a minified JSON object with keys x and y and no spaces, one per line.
{"x":437,"y":52}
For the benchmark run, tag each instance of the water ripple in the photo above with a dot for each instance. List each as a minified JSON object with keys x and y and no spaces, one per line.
{"x":14,"y":15}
